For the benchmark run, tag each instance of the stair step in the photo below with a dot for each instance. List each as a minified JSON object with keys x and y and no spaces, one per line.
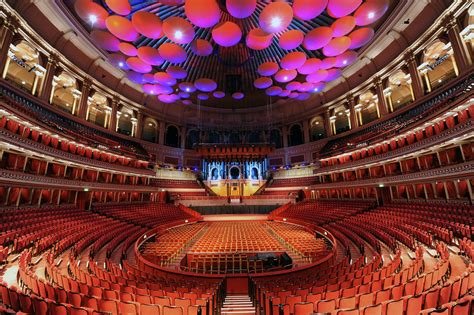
{"x":238,"y":304}
{"x":236,"y":308}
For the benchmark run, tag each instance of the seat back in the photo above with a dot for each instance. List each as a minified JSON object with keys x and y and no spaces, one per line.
{"x":326,"y":306}
{"x":108,"y":306}
{"x":146,"y":309}
{"x":414,"y":304}
{"x":373,"y":310}
{"x":303,"y":308}
{"x":172,"y":310}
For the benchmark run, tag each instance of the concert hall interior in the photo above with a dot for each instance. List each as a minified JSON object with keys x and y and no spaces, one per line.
{"x":219,"y":157}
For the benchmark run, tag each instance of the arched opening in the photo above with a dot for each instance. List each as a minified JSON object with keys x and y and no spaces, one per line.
{"x":317,"y":129}
{"x":275,"y":138}
{"x":254,"y":173}
{"x":214,"y":137}
{"x":192,"y":139}
{"x":468,"y":24}
{"x":234,"y":172}
{"x":214,"y":174}
{"x":341,"y":119}
{"x":125,"y":124}
{"x":98,"y":110}
{"x":24,"y":68}
{"x":172,"y":136}
{"x":438,"y":64}
{"x":254,"y":137}
{"x":65,"y":93}
{"x":234,"y":138}
{"x":399,"y":90}
{"x":367,"y":111}
{"x":295,"y":136}
{"x":150,"y":129}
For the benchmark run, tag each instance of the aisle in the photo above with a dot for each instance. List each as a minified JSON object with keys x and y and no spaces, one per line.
{"x":238,"y":304}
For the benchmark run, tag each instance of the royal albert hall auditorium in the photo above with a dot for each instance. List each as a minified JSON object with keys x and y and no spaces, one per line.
{"x":237,"y":157}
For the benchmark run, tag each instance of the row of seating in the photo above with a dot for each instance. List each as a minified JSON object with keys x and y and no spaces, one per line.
{"x":396,"y":287}
{"x":388,"y":128}
{"x":43,"y":139}
{"x":301,"y":241}
{"x":70,"y":128}
{"x":460,"y":115}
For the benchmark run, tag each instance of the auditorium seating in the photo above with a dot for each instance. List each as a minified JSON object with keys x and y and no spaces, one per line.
{"x":390,"y":127}
{"x":380,"y":287}
{"x":69,"y":127}
{"x":148,"y":215}
{"x":85,"y":286}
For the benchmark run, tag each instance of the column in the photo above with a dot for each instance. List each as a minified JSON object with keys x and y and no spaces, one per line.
{"x":7,"y":31}
{"x":284,"y":132}
{"x":48,"y":88}
{"x":461,"y":52}
{"x":352,"y":113}
{"x":306,"y":131}
{"x":134,"y":126}
{"x":382,"y":101}
{"x":161,"y":135}
{"x":327,"y":123}
{"x":416,"y":82}
{"x":138,"y":133}
{"x":83,"y":103}
{"x":183,"y":137}
{"x":113,"y":114}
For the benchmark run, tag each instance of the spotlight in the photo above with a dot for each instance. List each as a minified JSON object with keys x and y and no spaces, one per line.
{"x":120,"y":64}
{"x":344,"y":62}
{"x":285,"y":78}
{"x":92,"y":18}
{"x":276,"y":21}
{"x":178,"y":34}
{"x":371,"y":15}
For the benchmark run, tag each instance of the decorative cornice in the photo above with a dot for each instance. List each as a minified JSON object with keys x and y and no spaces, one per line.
{"x":41,"y":149}
{"x":426,"y":143}
{"x":12,"y":178}
{"x":450,"y":172}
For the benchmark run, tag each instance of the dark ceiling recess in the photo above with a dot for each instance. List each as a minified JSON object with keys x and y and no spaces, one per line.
{"x":233,"y":83}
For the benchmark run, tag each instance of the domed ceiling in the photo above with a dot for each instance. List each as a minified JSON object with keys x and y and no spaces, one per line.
{"x":231,"y":53}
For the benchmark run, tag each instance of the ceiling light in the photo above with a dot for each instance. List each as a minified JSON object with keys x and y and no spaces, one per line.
{"x":371,"y":15}
{"x":344,"y":62}
{"x":178,"y":34}
{"x":440,"y":80}
{"x":23,"y":82}
{"x":285,"y":78}
{"x":276,"y":21}
{"x":150,"y":124}
{"x":92,"y":18}
{"x":120,"y":64}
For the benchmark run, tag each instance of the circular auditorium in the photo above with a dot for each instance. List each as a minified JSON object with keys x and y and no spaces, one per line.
{"x":220,"y":157}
